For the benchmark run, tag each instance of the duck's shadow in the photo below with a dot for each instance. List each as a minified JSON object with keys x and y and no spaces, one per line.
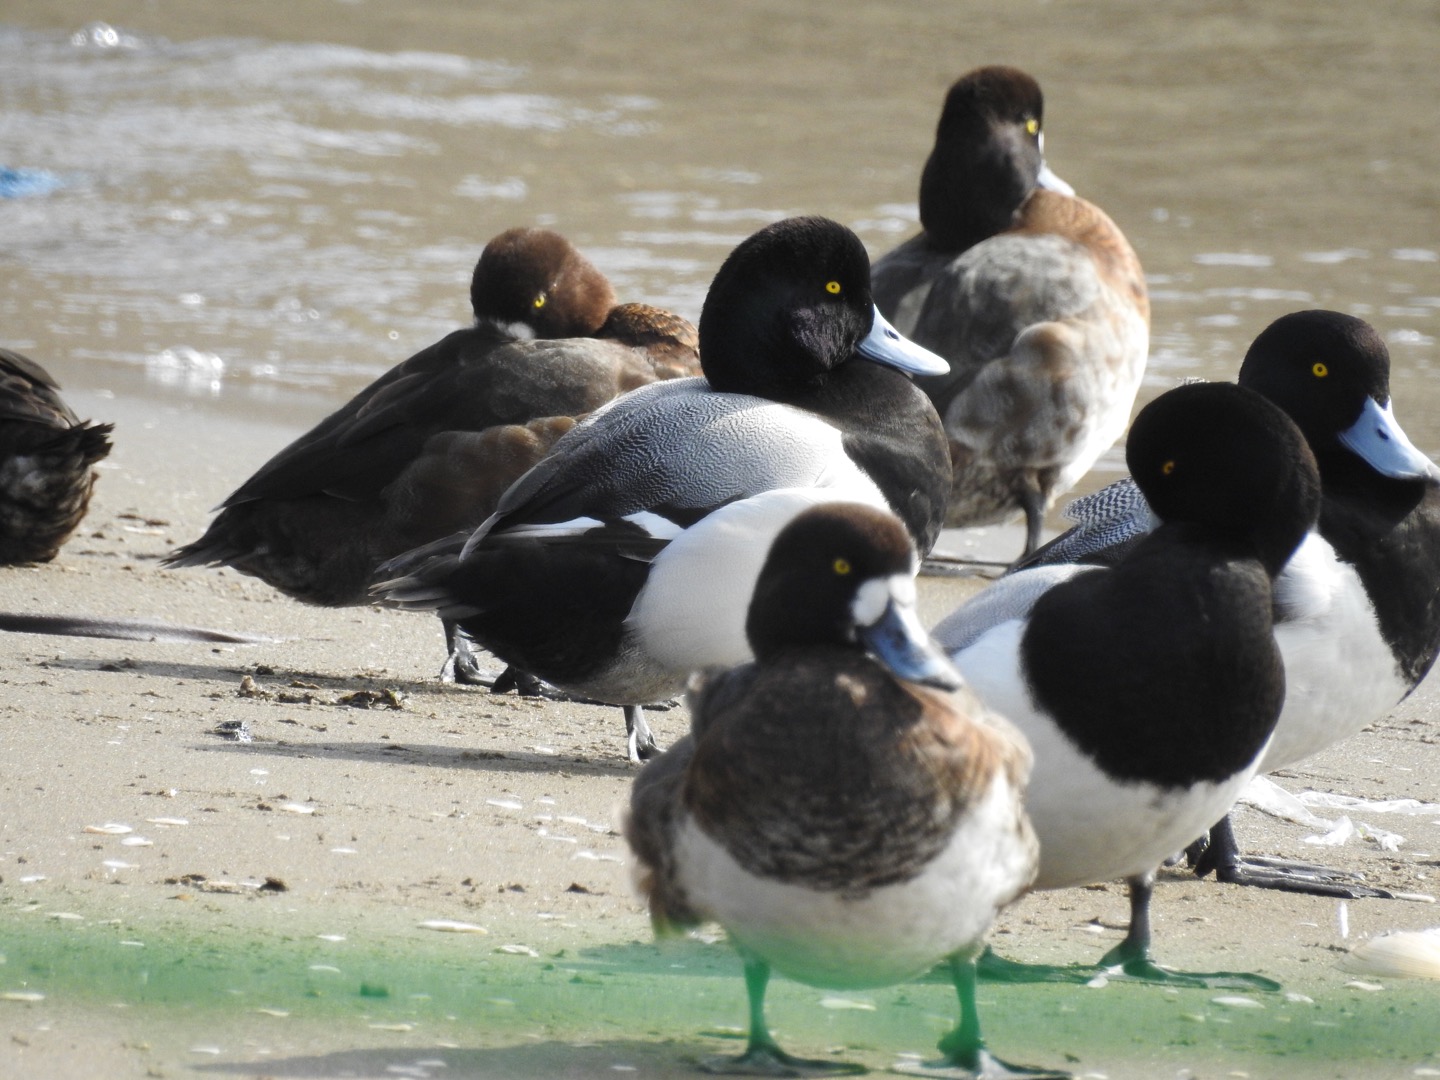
{"x":443,"y":757}
{"x":364,"y":692}
{"x":229,"y":672}
{"x":549,"y":1059}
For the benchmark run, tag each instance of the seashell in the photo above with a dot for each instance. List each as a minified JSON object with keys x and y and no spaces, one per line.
{"x":1236,"y":1001}
{"x":1413,"y":954}
{"x":516,"y":950}
{"x":451,"y":926}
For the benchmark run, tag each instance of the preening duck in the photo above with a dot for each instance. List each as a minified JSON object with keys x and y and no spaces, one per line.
{"x":47,"y":462}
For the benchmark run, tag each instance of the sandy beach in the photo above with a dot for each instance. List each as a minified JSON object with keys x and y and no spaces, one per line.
{"x":398,"y":877}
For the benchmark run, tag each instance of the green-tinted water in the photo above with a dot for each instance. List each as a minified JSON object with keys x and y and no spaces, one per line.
{"x":308,"y":1006}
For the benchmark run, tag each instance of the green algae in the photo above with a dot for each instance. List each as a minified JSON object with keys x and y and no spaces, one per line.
{"x":682,"y":999}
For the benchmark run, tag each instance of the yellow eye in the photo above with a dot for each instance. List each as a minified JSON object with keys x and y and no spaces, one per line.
{"x":1167,"y":468}
{"x":833,"y":288}
{"x":540,"y":301}
{"x":841,"y":566}
{"x":1320,"y":370}
{"x":1032,"y":126}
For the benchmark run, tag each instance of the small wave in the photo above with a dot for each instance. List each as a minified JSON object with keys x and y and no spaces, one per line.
{"x":1233,"y":258}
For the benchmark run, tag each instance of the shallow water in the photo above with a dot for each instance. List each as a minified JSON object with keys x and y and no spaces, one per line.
{"x":259,"y":209}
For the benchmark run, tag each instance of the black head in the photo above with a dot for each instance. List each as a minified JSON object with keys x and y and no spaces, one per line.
{"x":1225,"y":462}
{"x":787,"y":306}
{"x":843,"y":575}
{"x":987,"y":156}
{"x":535,"y":278}
{"x":1331,"y":374}
{"x":1319,"y":366}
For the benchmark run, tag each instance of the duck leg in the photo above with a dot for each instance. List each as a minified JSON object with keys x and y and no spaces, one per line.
{"x":763,"y":1056}
{"x":965,"y":1054}
{"x":639,"y":739}
{"x":1032,"y":501}
{"x":1132,"y":955}
{"x":1221,"y":853}
{"x":522,"y":682}
{"x":461,"y":664}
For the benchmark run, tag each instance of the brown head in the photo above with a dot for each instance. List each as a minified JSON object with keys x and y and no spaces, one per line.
{"x":534,"y":282}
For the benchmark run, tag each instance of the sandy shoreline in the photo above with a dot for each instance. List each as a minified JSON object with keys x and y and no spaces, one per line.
{"x":158,"y":952}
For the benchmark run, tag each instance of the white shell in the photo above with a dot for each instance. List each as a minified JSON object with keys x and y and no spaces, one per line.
{"x":1411,"y":954}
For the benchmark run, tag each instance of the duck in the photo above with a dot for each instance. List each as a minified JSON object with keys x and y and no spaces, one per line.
{"x":47,"y":462}
{"x":1033,"y":295}
{"x":842,"y":805}
{"x":805,"y":388}
{"x":1150,"y":689}
{"x":1358,"y":606}
{"x":427,"y":449}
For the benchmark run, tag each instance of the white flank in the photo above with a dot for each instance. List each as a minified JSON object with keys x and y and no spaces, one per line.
{"x":691,"y":613}
{"x":888,"y":935}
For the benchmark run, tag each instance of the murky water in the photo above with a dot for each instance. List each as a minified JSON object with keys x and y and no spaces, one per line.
{"x":261,"y":206}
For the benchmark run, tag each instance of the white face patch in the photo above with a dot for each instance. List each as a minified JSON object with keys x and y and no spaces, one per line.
{"x":875,"y":595}
{"x":902,"y":588}
{"x":520,"y":331}
{"x":871,"y":600}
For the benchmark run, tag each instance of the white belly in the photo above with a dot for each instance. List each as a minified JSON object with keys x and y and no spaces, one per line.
{"x":1340,"y":675}
{"x":1090,"y":826}
{"x":881,"y":937}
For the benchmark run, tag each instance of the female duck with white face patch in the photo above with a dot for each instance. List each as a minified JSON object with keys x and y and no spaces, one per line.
{"x":844,"y":808}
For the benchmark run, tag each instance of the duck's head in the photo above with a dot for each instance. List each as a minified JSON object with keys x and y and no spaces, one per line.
{"x":790,"y":305}
{"x":1330,"y":372}
{"x":989,"y":156}
{"x":1226,"y":463}
{"x":534,"y":284}
{"x":843,"y":574}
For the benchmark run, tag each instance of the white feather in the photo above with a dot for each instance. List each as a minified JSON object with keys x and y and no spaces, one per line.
{"x":1340,"y":675}
{"x":1091,"y":826}
{"x":1411,"y":954}
{"x":691,"y":612}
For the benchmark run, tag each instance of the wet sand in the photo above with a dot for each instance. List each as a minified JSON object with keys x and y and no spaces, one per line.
{"x":177,"y":903}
